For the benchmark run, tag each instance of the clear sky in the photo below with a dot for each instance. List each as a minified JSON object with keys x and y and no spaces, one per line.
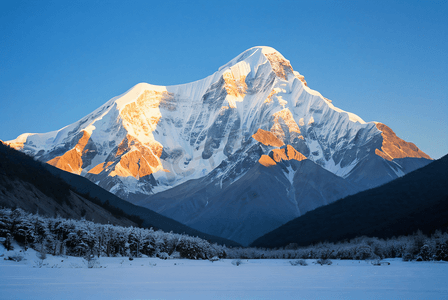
{"x":385,"y":61}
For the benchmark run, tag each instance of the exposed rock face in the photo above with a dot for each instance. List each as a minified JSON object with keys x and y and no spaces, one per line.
{"x":137,"y":160}
{"x":288,"y":153}
{"x":234,"y":87}
{"x":278,"y":155}
{"x":72,"y":160}
{"x":394,"y":147}
{"x":280,"y":65}
{"x":99,"y":168}
{"x":255,"y":112}
{"x":267,"y":138}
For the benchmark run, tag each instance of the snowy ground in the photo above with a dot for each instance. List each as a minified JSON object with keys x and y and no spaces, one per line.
{"x":152,"y":278}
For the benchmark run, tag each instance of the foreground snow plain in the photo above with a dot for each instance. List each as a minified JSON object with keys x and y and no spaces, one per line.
{"x":153,"y":278}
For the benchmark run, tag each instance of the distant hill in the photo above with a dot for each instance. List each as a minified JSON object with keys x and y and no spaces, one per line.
{"x":418,"y":200}
{"x":38,"y":187}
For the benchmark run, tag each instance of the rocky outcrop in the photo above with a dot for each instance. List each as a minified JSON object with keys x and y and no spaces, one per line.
{"x":72,"y":160}
{"x":267,"y":138}
{"x":394,"y":147}
{"x":278,"y":155}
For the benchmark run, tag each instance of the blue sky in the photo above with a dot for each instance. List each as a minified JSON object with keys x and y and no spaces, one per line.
{"x":385,"y":61}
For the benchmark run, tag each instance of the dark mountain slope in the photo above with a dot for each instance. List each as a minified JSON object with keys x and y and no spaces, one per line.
{"x":374,"y":171}
{"x":150,"y":218}
{"x":26,"y":184}
{"x":418,"y":200}
{"x":37,"y":187}
{"x":262,"y":199}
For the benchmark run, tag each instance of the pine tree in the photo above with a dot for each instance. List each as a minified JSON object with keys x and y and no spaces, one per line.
{"x":425,"y":253}
{"x":441,"y":251}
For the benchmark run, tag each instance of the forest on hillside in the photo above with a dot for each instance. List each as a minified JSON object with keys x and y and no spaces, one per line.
{"x":59,"y":236}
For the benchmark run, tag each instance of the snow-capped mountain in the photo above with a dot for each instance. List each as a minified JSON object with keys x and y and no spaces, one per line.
{"x":254,"y":122}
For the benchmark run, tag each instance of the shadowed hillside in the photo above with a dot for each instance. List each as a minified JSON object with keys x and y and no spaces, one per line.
{"x":37,"y":187}
{"x":418,"y":200}
{"x":149,"y":217}
{"x":26,"y":184}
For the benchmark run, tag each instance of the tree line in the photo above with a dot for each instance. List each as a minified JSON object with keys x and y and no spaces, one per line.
{"x":59,"y":236}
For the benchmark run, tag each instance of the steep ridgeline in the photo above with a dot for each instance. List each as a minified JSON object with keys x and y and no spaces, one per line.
{"x":253,"y":123}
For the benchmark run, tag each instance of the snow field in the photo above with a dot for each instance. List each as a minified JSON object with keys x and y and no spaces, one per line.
{"x":153,"y":278}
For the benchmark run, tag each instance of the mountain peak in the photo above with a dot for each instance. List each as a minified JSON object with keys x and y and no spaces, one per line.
{"x":266,"y":50}
{"x":215,"y":130}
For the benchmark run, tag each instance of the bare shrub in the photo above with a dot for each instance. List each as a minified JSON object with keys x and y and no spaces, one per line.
{"x":91,"y":262}
{"x":214,"y":258}
{"x":378,"y":262}
{"x":236,"y":262}
{"x":15,"y":257}
{"x":152,"y":264}
{"x":299,"y":262}
{"x":40,"y":264}
{"x":324,"y":261}
{"x":163,"y":255}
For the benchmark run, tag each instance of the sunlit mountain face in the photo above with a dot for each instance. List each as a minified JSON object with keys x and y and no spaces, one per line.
{"x":236,"y":154}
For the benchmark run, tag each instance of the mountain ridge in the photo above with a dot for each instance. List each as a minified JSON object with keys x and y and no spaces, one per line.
{"x":152,"y":139}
